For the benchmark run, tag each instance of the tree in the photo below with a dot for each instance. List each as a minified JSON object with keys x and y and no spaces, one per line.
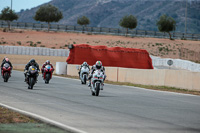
{"x":83,"y":21}
{"x":8,"y":15}
{"x":48,"y":13}
{"x":166,"y":24}
{"x":128,"y":22}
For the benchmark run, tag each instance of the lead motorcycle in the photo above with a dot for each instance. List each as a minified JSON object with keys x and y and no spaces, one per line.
{"x":6,"y":72}
{"x":31,"y":76}
{"x":97,"y":82}
{"x":47,"y":75}
{"x":84,"y":74}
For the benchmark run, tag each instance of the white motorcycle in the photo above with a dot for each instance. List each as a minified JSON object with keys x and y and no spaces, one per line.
{"x":84,"y":74}
{"x":97,"y":82}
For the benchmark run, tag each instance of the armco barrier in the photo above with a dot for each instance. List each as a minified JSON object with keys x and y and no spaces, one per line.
{"x":20,"y":50}
{"x":162,"y":77}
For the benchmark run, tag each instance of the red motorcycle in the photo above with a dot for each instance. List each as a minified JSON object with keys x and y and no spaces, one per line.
{"x":47,"y":75}
{"x":6,"y":72}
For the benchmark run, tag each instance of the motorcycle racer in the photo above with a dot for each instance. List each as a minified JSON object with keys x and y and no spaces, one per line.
{"x":46,"y":63}
{"x":84,"y":64}
{"x":30,"y":63}
{"x":97,"y":66}
{"x":5,"y":60}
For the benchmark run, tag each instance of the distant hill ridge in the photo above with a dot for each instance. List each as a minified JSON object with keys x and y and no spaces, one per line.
{"x":107,"y":13}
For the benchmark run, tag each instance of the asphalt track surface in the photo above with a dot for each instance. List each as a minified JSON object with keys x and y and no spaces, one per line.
{"x":118,"y":109}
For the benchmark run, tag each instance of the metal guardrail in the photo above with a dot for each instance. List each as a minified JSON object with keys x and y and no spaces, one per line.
{"x":100,"y":30}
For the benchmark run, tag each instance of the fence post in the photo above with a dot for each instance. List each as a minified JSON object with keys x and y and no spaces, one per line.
{"x":100,"y":30}
{"x":91,"y":29}
{"x":58,"y":27}
{"x":66,"y":28}
{"x":154,"y":33}
{"x":74,"y":28}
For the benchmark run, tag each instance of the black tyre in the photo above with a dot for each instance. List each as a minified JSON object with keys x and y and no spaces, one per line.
{"x":84,"y":79}
{"x":97,"y":89}
{"x":31,"y":82}
{"x":6,"y":76}
{"x":47,"y":78}
{"x":93,"y":93}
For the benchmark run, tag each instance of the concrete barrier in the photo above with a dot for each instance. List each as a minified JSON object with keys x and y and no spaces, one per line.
{"x":72,"y":70}
{"x":61,"y":68}
{"x":160,"y":77}
{"x":142,"y":76}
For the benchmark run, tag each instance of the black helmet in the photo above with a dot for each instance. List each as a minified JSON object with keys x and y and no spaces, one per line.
{"x":32,"y":61}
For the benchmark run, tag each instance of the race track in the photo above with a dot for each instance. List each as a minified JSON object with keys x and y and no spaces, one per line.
{"x":118,"y":109}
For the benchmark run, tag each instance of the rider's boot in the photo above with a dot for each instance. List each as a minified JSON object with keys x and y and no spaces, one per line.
{"x":89,"y":84}
{"x":102,"y":86}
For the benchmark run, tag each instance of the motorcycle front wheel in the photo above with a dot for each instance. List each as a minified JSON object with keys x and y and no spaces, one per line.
{"x":97,"y":89}
{"x":47,"y":78}
{"x":31,"y":82}
{"x":6,"y":76}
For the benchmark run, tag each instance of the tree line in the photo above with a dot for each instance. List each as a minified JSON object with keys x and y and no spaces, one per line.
{"x":49,"y":13}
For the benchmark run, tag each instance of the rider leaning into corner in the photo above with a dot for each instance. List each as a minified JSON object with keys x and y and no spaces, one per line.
{"x":30,"y":63}
{"x":97,"y":66}
{"x":46,"y":63}
{"x":5,"y":60}
{"x":84,"y":64}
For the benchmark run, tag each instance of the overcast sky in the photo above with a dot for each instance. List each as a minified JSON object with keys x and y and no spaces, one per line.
{"x":17,"y":5}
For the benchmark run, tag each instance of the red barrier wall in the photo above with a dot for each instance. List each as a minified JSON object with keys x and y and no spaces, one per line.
{"x":113,"y":57}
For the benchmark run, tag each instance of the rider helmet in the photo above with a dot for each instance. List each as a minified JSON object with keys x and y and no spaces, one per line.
{"x":98,"y":64}
{"x":32,"y":61}
{"x":48,"y":62}
{"x":6,"y":59}
{"x":85,"y":63}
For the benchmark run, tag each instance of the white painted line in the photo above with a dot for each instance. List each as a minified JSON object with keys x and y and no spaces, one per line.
{"x":66,"y":78}
{"x":46,"y":120}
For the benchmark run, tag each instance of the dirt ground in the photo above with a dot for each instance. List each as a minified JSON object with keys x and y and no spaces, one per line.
{"x":60,"y":40}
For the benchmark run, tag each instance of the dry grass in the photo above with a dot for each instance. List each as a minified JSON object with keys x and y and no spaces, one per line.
{"x":8,"y":116}
{"x":60,"y":40}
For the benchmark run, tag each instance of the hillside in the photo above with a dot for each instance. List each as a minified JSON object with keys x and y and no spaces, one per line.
{"x":107,"y":13}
